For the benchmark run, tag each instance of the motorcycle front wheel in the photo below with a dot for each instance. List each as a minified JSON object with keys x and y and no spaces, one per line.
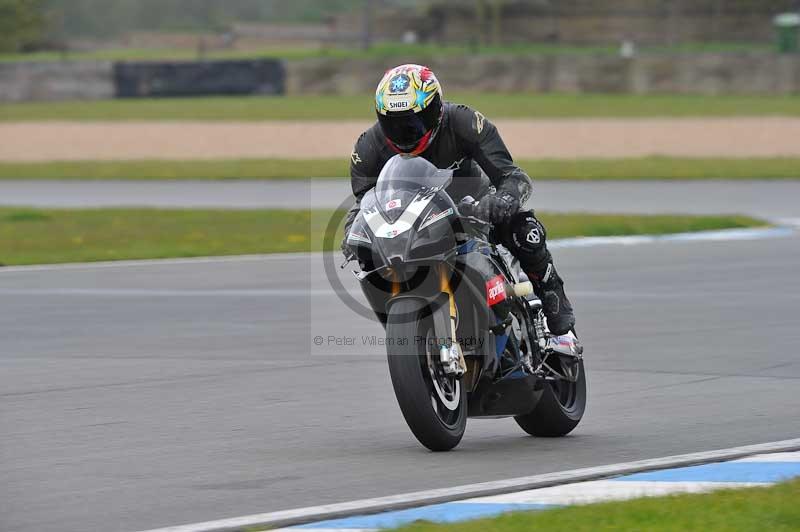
{"x":433,"y":403}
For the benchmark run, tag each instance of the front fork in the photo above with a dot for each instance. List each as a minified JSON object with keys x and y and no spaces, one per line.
{"x":445,"y":315}
{"x":450,"y":354}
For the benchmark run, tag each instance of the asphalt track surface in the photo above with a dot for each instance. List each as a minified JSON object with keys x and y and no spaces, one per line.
{"x":138,"y":396}
{"x":769,"y":199}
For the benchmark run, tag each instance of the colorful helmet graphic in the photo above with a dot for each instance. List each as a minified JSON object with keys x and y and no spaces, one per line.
{"x":409,"y":103}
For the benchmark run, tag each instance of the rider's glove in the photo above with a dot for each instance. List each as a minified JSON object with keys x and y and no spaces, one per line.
{"x":348,"y":224}
{"x":498,"y":208}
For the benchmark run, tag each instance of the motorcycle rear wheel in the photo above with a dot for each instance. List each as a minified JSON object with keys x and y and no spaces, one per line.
{"x":559,"y":410}
{"x":433,"y":404}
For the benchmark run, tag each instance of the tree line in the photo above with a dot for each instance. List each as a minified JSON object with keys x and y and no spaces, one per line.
{"x":26,"y":24}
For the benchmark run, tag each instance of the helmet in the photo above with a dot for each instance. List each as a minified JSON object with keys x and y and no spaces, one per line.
{"x":410,"y":108}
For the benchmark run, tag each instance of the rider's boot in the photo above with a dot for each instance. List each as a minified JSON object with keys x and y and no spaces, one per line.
{"x":549,"y":287}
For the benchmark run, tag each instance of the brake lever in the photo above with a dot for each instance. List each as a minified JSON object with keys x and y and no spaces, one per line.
{"x":468,"y":206}
{"x":476,"y":219}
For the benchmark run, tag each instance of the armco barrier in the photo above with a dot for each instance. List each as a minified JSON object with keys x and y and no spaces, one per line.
{"x":197,"y":78}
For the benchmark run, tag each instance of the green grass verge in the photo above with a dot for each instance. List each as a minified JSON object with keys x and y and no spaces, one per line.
{"x":160,"y":170}
{"x":46,"y":236}
{"x":379,"y":50}
{"x":543,"y":169}
{"x":289,"y":53}
{"x":493,"y":105}
{"x":665,"y":168}
{"x":774,"y":508}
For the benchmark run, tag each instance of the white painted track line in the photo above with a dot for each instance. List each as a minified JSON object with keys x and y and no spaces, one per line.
{"x":485,"y":489}
{"x":606,"y":490}
{"x":580,"y":242}
{"x":772,"y":457}
{"x":157,"y":262}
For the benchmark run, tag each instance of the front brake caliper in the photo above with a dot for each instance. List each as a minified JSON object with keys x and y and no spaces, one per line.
{"x":452,"y":359}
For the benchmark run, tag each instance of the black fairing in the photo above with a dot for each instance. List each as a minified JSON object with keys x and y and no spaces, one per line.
{"x":430,"y":234}
{"x":406,"y":218}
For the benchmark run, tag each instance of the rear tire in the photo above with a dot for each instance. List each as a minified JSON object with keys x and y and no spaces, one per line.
{"x":559,"y":410}
{"x":433,"y":405}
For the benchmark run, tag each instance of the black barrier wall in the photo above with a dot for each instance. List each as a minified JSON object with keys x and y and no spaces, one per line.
{"x":657,"y":73}
{"x":140,"y":80}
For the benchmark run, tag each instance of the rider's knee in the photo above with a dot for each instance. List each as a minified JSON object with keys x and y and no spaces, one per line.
{"x":524,"y":234}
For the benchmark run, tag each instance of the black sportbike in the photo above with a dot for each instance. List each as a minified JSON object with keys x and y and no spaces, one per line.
{"x":465,"y":335}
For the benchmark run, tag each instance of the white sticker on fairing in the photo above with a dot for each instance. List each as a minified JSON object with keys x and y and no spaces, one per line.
{"x":394,"y":204}
{"x":383,"y":229}
{"x":358,"y":237}
{"x":436,"y":217}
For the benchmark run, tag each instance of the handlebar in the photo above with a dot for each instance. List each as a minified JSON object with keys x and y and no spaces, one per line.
{"x":467,"y":208}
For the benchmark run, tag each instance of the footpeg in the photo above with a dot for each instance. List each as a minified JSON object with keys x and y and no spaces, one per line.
{"x":500,"y":328}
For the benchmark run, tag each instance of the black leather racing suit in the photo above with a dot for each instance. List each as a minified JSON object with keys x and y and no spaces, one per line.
{"x":471,"y":146}
{"x":466,"y":143}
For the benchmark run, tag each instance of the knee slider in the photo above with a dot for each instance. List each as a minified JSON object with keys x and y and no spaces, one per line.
{"x":525,"y":235}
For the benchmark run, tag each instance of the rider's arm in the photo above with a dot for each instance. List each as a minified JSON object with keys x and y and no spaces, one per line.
{"x":363,"y":175}
{"x":486,"y":147}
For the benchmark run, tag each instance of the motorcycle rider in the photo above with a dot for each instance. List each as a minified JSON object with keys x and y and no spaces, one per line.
{"x":415,"y":121}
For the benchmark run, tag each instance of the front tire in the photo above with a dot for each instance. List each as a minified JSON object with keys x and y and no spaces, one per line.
{"x":433,"y":404}
{"x":560,"y":408}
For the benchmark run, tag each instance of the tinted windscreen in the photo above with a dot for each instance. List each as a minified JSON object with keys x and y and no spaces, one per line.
{"x":402,"y":178}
